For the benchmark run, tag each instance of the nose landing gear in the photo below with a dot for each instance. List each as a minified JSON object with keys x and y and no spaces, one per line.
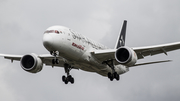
{"x":55,"y":54}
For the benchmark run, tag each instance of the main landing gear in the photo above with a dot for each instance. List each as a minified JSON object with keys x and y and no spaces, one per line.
{"x":67,"y":78}
{"x":55,"y":54}
{"x":114,"y":74}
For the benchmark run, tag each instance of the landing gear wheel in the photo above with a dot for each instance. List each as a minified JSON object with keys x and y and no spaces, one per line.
{"x":69,"y":78}
{"x":63,"y":78}
{"x":51,"y":52}
{"x":55,"y":61}
{"x":109,"y":75}
{"x":66,"y":81}
{"x":116,"y":76}
{"x":113,"y":76}
{"x":72,"y":80}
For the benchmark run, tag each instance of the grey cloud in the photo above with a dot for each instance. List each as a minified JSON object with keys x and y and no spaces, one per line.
{"x":22,"y":24}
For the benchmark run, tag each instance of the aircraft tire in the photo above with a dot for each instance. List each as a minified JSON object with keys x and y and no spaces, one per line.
{"x":63,"y":78}
{"x":53,"y":61}
{"x":117,"y":77}
{"x":72,"y":80}
{"x":66,"y":81}
{"x":57,"y":61}
{"x":111,"y":78}
{"x":109,"y":75}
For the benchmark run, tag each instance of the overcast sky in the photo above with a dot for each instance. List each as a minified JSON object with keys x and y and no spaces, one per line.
{"x":150,"y":22}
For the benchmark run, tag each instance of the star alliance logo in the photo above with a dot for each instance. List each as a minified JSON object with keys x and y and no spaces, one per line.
{"x":121,"y":41}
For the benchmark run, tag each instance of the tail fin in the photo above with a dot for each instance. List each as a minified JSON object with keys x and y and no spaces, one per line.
{"x":121,"y":39}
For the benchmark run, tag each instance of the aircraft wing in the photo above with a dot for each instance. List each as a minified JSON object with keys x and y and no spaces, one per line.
{"x":46,"y":59}
{"x":157,"y":49}
{"x":103,"y":55}
{"x":12,"y":57}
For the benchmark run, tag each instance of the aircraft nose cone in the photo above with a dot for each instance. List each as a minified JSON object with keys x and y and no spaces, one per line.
{"x":47,"y":41}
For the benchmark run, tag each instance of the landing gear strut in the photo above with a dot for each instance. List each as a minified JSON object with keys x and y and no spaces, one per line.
{"x":67,"y":78}
{"x":55,"y":54}
{"x":114,"y":74}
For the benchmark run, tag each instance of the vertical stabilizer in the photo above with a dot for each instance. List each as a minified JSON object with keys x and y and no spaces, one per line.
{"x":121,"y":39}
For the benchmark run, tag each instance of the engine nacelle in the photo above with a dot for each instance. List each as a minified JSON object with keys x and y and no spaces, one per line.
{"x":126,"y":56}
{"x":31,"y":63}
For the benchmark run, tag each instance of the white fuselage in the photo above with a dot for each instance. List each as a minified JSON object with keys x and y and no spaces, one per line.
{"x":76,"y":49}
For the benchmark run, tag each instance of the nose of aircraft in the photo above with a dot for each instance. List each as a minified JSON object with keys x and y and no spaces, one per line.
{"x":48,"y":41}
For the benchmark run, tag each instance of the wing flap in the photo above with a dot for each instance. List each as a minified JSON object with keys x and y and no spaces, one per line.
{"x":147,"y":63}
{"x":103,"y":55}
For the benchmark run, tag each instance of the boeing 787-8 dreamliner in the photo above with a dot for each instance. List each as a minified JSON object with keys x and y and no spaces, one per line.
{"x":71,"y":50}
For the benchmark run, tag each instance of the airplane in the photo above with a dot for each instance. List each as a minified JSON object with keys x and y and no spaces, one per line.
{"x":71,"y":50}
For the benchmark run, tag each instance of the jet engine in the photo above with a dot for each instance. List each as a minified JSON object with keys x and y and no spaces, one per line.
{"x":126,"y":56}
{"x":31,"y":63}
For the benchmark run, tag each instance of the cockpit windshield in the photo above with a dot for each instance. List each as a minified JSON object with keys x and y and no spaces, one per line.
{"x":52,"y":31}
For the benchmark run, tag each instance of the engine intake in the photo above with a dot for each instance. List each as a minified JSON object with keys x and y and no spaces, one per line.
{"x":126,"y":56}
{"x":31,"y":63}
